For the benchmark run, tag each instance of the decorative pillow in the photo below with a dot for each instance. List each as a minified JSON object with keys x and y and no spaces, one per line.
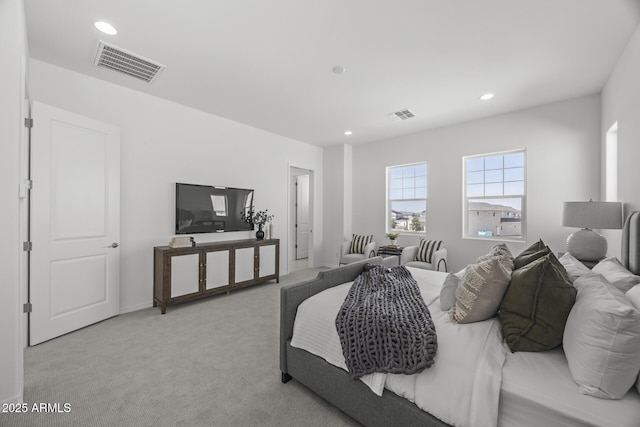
{"x":574,"y":267}
{"x":358,"y":243}
{"x":448,"y":291}
{"x":602,"y":339}
{"x":481,"y":289}
{"x":426,"y":249}
{"x":500,"y":250}
{"x":616,"y":274}
{"x":530,"y":254}
{"x":536,"y":305}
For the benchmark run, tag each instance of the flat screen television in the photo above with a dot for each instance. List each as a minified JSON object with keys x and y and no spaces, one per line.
{"x":211,"y":209}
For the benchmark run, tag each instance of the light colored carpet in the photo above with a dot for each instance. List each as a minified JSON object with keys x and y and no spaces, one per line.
{"x":212,"y":362}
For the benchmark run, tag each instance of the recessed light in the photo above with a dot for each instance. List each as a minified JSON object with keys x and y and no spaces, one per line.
{"x":105,"y":27}
{"x":486,"y":96}
{"x":348,"y":132}
{"x":338,"y":69}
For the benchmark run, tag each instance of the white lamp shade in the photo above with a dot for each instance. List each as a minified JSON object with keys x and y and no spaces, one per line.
{"x":598,"y":215}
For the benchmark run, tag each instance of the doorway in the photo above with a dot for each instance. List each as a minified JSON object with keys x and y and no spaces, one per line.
{"x":74,"y":210}
{"x":301,"y":214}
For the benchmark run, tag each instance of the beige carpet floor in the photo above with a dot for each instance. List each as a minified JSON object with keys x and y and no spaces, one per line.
{"x":212,"y":362}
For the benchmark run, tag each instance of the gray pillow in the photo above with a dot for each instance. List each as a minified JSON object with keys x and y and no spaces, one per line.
{"x":480,"y":292}
{"x":530,"y":254}
{"x":535,"y":308}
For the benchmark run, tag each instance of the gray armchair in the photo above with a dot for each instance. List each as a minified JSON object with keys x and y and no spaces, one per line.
{"x":347,"y":258}
{"x":438,"y":259}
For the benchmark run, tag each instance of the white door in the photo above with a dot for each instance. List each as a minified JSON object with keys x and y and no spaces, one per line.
{"x":303,"y":223}
{"x":75,"y":222}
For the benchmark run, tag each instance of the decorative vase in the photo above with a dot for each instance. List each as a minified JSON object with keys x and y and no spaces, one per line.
{"x":392,"y":242}
{"x":259,"y":233}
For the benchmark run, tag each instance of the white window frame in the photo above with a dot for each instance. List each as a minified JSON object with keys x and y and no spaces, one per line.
{"x":523,"y":197}
{"x":389,"y":198}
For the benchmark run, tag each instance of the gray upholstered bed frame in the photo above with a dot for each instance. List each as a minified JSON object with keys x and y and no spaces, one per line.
{"x":352,"y":396}
{"x":334,"y":384}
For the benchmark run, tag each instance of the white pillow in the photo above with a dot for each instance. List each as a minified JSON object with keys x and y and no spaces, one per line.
{"x":616,"y":274}
{"x":574,"y":267}
{"x":602,"y":339}
{"x":633,"y":295}
{"x":448,"y":291}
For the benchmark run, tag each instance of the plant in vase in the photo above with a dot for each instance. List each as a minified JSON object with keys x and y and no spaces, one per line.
{"x":259,"y":218}
{"x":392,"y":238}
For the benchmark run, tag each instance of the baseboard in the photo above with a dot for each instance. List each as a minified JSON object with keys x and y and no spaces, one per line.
{"x":15,"y":399}
{"x":135,"y":308}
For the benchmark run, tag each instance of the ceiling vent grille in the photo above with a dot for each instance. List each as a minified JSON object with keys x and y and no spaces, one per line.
{"x":401,"y":115}
{"x":121,"y":61}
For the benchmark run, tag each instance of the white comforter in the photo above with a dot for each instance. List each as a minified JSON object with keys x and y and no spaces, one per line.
{"x":462,"y":388}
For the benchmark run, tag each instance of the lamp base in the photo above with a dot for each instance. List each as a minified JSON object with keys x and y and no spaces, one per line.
{"x":587,"y":245}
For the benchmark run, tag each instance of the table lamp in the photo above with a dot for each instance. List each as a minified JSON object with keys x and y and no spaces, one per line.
{"x":586,"y":244}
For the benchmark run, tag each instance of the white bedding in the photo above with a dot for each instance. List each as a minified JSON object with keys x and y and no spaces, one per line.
{"x":464,"y":392}
{"x":537,"y":390}
{"x":475,"y":380}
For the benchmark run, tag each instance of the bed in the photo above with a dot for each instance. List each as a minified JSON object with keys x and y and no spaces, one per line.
{"x":534,"y":388}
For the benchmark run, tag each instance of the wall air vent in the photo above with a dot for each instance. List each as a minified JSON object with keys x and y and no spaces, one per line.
{"x":121,"y":61}
{"x":401,"y":115}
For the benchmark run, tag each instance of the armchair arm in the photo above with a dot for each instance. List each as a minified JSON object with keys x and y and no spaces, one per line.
{"x":440,"y":260}
{"x":370,"y":250}
{"x":344,"y":249}
{"x":408,"y":254}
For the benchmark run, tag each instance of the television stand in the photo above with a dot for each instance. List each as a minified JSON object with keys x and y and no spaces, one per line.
{"x":187,"y":274}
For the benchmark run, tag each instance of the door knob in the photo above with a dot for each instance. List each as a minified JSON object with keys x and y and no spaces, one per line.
{"x":113,"y":245}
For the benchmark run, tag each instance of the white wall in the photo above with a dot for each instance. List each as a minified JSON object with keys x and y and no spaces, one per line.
{"x":621,"y":104}
{"x":12,"y":69}
{"x":563,"y":163}
{"x":162,"y":143}
{"x":337,"y":200}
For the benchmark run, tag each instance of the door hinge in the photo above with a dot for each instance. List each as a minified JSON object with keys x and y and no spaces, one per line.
{"x":28,"y":122}
{"x":24,"y":187}
{"x":27,"y":246}
{"x":27,"y":308}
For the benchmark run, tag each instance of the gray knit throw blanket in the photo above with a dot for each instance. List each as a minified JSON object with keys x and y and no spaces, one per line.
{"x":384,"y":324}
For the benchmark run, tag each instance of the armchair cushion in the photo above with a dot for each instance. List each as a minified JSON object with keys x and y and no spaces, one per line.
{"x":347,"y":257}
{"x":438,"y":260}
{"x":426,"y":249}
{"x":359,"y":243}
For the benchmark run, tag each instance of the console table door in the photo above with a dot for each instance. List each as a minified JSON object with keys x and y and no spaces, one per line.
{"x":185,"y":274}
{"x":217,"y":272}
{"x":267,"y":260}
{"x":244,"y":265}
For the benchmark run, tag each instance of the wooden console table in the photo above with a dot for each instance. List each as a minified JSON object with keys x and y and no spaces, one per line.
{"x":186,"y":274}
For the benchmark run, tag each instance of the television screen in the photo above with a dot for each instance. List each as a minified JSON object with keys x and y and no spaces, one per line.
{"x":210,"y":209}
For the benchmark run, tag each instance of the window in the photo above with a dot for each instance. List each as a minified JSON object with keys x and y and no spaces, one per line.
{"x":407,"y":198}
{"x":494,"y":199}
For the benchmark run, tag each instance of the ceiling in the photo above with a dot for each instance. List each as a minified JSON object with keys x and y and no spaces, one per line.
{"x":269,"y":64}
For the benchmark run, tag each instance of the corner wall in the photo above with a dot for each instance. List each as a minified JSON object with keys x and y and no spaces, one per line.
{"x":337,"y":201}
{"x":13,"y":50}
{"x":563,"y":163}
{"x":621,"y":104}
{"x":163,"y":143}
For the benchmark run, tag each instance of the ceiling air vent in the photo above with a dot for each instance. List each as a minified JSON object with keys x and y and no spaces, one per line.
{"x":116,"y":59}
{"x":401,"y":115}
